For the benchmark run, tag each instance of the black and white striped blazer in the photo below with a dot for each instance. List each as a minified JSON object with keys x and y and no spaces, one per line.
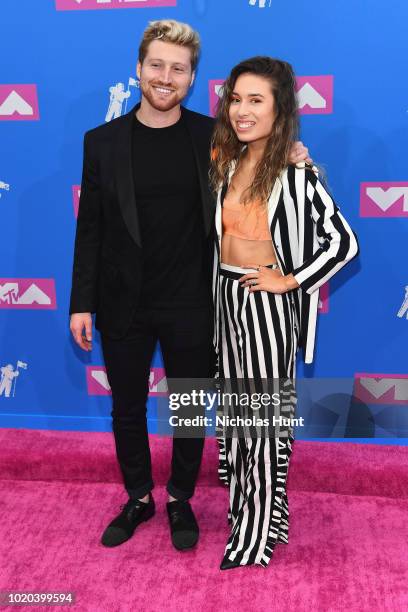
{"x":311,"y":238}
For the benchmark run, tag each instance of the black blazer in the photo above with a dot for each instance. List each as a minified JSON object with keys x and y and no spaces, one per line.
{"x":107,"y":267}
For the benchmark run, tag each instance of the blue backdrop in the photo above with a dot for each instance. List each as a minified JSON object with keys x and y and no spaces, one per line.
{"x":62,"y":61}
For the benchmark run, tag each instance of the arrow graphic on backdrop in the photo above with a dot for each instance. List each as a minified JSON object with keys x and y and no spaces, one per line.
{"x":308,"y":95}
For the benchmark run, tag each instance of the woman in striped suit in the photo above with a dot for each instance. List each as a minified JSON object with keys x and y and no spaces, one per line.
{"x":279,"y":237}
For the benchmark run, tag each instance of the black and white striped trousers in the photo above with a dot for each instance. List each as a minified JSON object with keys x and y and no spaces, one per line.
{"x":258,"y":337}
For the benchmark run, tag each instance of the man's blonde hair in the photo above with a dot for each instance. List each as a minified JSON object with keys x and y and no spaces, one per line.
{"x":174,"y":32}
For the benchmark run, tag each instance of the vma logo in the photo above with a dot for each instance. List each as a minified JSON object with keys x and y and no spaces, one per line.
{"x":260,"y":3}
{"x":28,"y":293}
{"x":76,"y":194}
{"x":384,"y":199}
{"x":87,"y":5}
{"x":19,"y":103}
{"x":215,"y":90}
{"x":323,"y":304}
{"x":314,"y":93}
{"x":381,"y":388}
{"x":97,"y":381}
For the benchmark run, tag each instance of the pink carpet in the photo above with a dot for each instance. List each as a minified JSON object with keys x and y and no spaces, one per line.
{"x":348,"y":535}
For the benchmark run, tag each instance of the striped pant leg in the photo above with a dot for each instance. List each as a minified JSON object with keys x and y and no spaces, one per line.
{"x":288,"y":404}
{"x":231,"y":340}
{"x":261,"y":519}
{"x":258,"y":334}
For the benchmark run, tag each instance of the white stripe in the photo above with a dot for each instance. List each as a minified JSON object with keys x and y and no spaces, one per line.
{"x":258,"y":337}
{"x":300,"y":196}
{"x":290,"y":213}
{"x":231,"y":289}
{"x":269,"y":324}
{"x":268,"y":500}
{"x":254,"y":514}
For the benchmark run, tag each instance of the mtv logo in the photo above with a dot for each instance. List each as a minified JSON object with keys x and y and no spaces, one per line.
{"x":214,"y":90}
{"x":323,"y":304}
{"x":19,"y":103}
{"x":315,"y":94}
{"x":381,"y":388}
{"x":97,"y":381}
{"x":28,"y":293}
{"x":76,"y":194}
{"x":384,"y":199}
{"x":157,"y":382}
{"x":89,"y":5}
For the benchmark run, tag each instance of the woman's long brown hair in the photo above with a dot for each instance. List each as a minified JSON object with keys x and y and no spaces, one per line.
{"x":226,"y":147}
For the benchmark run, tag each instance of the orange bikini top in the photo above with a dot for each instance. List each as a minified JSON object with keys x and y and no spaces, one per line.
{"x":247,"y":221}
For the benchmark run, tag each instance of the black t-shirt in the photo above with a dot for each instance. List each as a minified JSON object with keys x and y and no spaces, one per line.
{"x":167,"y":191}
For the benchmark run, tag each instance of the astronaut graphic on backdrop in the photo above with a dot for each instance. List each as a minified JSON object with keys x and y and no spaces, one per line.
{"x":261,"y":3}
{"x":404,"y":306}
{"x":7,"y":375}
{"x":4,"y":186}
{"x":118,"y":95}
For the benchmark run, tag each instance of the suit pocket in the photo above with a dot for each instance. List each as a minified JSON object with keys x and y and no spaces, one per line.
{"x":110,"y":255}
{"x":109,"y":275}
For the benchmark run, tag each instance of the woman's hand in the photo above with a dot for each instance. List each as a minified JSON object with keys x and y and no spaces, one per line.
{"x":265,"y":279}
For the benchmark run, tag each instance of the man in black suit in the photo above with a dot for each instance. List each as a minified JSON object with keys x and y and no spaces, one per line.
{"x":142,"y":263}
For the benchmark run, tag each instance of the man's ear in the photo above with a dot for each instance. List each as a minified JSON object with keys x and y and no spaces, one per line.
{"x":138,"y":69}
{"x":192,"y":78}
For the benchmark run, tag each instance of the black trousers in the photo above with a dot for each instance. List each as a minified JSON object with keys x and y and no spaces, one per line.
{"x":185,"y":338}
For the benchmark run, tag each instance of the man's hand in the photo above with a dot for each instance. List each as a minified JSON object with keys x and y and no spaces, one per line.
{"x":82,"y":322}
{"x":299,"y":153}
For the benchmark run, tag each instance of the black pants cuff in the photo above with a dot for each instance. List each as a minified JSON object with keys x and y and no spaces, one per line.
{"x":140,"y":491}
{"x":177,"y":493}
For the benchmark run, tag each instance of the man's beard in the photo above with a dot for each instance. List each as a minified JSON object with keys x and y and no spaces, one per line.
{"x":160,"y":103}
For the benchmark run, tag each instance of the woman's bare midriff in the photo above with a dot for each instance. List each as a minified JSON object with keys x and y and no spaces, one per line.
{"x":240,"y":252}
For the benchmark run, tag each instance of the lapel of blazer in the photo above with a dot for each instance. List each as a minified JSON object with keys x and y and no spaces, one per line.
{"x":273,"y":202}
{"x":218,"y":210}
{"x":124,"y":174}
{"x":201,"y":151}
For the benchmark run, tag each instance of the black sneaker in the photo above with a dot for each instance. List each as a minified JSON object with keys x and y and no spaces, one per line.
{"x":183,"y":525}
{"x":123,"y":526}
